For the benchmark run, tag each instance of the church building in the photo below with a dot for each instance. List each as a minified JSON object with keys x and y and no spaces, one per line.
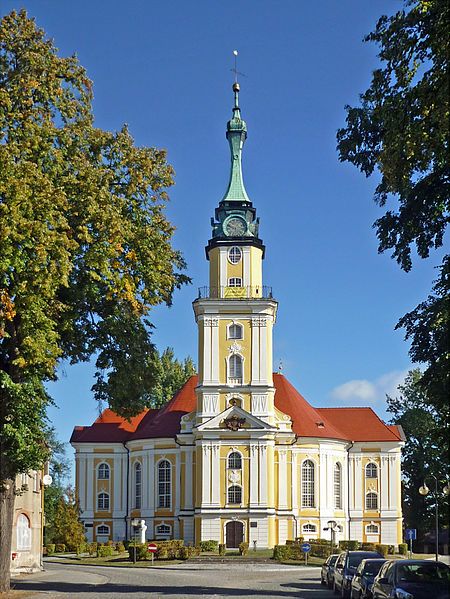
{"x":238,"y":454}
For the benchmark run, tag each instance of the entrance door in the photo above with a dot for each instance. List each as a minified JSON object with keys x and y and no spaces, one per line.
{"x":234,"y":534}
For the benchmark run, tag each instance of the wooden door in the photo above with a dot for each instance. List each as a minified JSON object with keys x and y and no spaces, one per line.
{"x":234,"y":534}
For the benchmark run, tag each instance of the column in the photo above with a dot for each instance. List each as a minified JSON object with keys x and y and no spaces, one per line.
{"x":322,"y":491}
{"x":206,"y":474}
{"x":81,"y":468}
{"x":383,"y":492}
{"x":246,"y":269}
{"x":145,"y":487}
{"x":215,"y":350}
{"x":116,"y":498}
{"x":394,"y":482}
{"x":151,"y":482}
{"x":215,"y":475}
{"x":223,"y":282}
{"x":188,"y":503}
{"x":206,"y":350}
{"x":177,"y":479}
{"x":90,"y":485}
{"x":263,"y":475}
{"x":255,"y":351}
{"x":358,"y":484}
{"x":282,"y":479}
{"x":254,"y":468}
{"x":263,"y":366}
{"x":295,"y":481}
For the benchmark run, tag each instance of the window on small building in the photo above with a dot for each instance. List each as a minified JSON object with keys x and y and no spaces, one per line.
{"x":163,"y":529}
{"x":103,"y":472}
{"x":164,"y":484}
{"x":36,"y":481}
{"x":309,"y":528}
{"x":137,"y":485}
{"x":234,"y":255}
{"x":103,"y":501}
{"x":235,"y":461}
{"x":371,"y":501}
{"x":235,"y":282}
{"x":308,"y":486}
{"x":103,"y":529}
{"x":24,"y":478}
{"x":371,"y":470}
{"x":235,"y":368}
{"x":235,"y":331}
{"x":235,"y":494}
{"x":337,"y":479}
{"x":24,"y":532}
{"x":372,"y":529}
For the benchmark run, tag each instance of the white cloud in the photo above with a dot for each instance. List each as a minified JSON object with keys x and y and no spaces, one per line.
{"x":358,"y":391}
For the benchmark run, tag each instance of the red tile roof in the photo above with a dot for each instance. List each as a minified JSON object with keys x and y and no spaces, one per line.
{"x":350,"y":424}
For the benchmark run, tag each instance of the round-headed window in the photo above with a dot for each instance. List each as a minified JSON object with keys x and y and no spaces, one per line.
{"x":234,"y":255}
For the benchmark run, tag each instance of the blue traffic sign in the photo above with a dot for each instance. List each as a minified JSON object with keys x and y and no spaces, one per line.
{"x":411,"y":534}
{"x":306,"y":547}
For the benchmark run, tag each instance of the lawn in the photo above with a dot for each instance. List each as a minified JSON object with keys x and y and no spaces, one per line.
{"x":121,"y":560}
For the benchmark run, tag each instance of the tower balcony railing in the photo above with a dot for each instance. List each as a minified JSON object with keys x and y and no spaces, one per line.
{"x":246,"y":292}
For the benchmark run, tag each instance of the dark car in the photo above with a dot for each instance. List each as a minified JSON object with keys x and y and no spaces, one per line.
{"x":345,"y":568}
{"x":327,"y":573}
{"x":412,"y":579}
{"x":363,"y":579}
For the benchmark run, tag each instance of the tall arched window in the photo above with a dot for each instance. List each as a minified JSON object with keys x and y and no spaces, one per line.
{"x":308,"y":487}
{"x":337,"y":480}
{"x":235,"y":494}
{"x":103,"y":501}
{"x":235,"y":331}
{"x":137,"y":485}
{"x":235,"y":461}
{"x":103,"y":472}
{"x":371,"y":470}
{"x":23,"y":530}
{"x":164,"y":484}
{"x":371,"y":501}
{"x":235,"y":369}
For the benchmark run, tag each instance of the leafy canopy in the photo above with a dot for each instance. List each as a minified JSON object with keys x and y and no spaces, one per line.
{"x":85,"y":246}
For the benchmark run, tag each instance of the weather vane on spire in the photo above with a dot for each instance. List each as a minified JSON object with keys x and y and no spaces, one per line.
{"x":234,"y":70}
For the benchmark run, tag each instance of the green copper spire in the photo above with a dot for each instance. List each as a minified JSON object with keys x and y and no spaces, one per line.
{"x":236,"y":135}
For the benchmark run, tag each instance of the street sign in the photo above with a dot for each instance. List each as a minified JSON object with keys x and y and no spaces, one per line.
{"x":410,"y":534}
{"x":152,"y":547}
{"x":306,"y":547}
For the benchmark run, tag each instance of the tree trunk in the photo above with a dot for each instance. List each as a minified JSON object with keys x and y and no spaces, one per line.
{"x":7,"y":497}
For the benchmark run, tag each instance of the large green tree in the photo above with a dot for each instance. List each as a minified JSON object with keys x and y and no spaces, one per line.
{"x":85,"y":249}
{"x":171,"y":376}
{"x":422,"y":453}
{"x":400,"y":131}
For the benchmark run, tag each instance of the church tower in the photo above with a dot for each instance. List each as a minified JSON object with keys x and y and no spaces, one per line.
{"x":236,"y":312}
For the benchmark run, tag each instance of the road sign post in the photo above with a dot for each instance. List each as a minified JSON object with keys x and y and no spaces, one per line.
{"x":152,"y":548}
{"x":306,"y":548}
{"x":410,"y":535}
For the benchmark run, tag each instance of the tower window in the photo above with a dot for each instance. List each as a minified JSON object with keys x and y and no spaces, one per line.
{"x":164,"y":484}
{"x":371,"y":470}
{"x":103,"y":472}
{"x":235,"y":282}
{"x":103,"y":501}
{"x":234,"y":255}
{"x":235,"y":369}
{"x":235,"y":461}
{"x":371,"y":501}
{"x":235,"y":331}
{"x":235,"y":494}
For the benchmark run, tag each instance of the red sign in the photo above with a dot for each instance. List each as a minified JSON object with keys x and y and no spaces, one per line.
{"x":152,"y":547}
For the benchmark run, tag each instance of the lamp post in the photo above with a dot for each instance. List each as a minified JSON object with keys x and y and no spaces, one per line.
{"x":424,"y":490}
{"x":332,"y":524}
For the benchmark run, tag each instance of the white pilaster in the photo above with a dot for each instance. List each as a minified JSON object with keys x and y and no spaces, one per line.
{"x":215,"y":475}
{"x":206,"y":474}
{"x":358,"y":484}
{"x":215,"y":351}
{"x":393,"y":482}
{"x":151,"y":482}
{"x":295,"y":481}
{"x":90,"y":485}
{"x":282,"y":482}
{"x":144,"y":482}
{"x":383,"y":492}
{"x":206,"y":350}
{"x":255,"y":351}
{"x":254,"y":468}
{"x":263,"y":365}
{"x":177,"y":479}
{"x":189,"y":480}
{"x":246,"y":266}
{"x":263,"y":475}
{"x":223,"y":263}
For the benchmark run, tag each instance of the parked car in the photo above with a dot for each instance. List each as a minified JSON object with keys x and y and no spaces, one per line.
{"x":412,"y":579}
{"x":363,"y":579}
{"x":327,"y":573}
{"x":345,"y":568}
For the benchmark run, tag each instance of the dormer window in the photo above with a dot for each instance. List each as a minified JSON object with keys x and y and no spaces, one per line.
{"x":234,"y":255}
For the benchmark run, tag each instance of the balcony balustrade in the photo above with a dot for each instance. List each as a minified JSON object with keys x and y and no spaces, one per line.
{"x":246,"y":292}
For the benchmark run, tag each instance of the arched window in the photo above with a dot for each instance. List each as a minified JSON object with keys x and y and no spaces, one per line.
{"x":103,"y":472}
{"x":164,"y":484}
{"x":23,"y":533}
{"x":371,"y":501}
{"x":234,"y":255}
{"x":235,"y":331}
{"x":337,"y":480}
{"x":235,"y":282}
{"x":137,"y":485}
{"x":309,"y":528}
{"x":235,"y":369}
{"x":235,"y":461}
{"x":371,"y":470}
{"x":235,"y":494}
{"x":308,"y":486}
{"x":103,"y":501}
{"x":103,"y":529}
{"x":372,"y":529}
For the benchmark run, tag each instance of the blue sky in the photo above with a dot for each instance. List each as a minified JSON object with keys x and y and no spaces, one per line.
{"x":164,"y":68}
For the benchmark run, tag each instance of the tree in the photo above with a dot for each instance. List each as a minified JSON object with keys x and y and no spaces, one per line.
{"x":422,"y":453}
{"x":59,"y":469}
{"x":171,"y":376}
{"x":67,"y":528}
{"x":401,"y":130}
{"x":85,"y":250}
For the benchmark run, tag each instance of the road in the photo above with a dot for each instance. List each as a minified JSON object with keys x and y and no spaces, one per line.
{"x":184,"y":581}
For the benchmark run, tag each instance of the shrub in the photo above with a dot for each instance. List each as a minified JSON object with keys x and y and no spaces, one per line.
{"x":349,"y":545}
{"x":60,"y":548}
{"x":51,"y":549}
{"x":281,"y":552}
{"x":243,"y":548}
{"x":141,"y":552}
{"x":92,"y":549}
{"x":126,"y":544}
{"x":110,"y":543}
{"x":81,"y":548}
{"x":120,"y":547}
{"x":289,"y":542}
{"x":209,"y":545}
{"x":403,"y":548}
{"x":391,"y":549}
{"x":188,"y":552}
{"x":368,"y":547}
{"x":105,"y":551}
{"x":222,"y":549}
{"x":320,"y":550}
{"x":382,"y":549}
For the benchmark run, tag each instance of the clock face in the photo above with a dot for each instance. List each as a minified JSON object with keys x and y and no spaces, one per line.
{"x":235,"y":227}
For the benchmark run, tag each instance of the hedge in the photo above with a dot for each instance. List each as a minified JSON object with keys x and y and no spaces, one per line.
{"x":105,"y":551}
{"x":403,"y":548}
{"x":383,"y":549}
{"x":50,"y":548}
{"x":222,"y":549}
{"x":349,"y":545}
{"x":188,"y":552}
{"x":165,"y":550}
{"x":209,"y":545}
{"x":243,"y":548}
{"x":60,"y":548}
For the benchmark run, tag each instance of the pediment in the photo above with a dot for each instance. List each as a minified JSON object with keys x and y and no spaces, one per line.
{"x":234,"y":418}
